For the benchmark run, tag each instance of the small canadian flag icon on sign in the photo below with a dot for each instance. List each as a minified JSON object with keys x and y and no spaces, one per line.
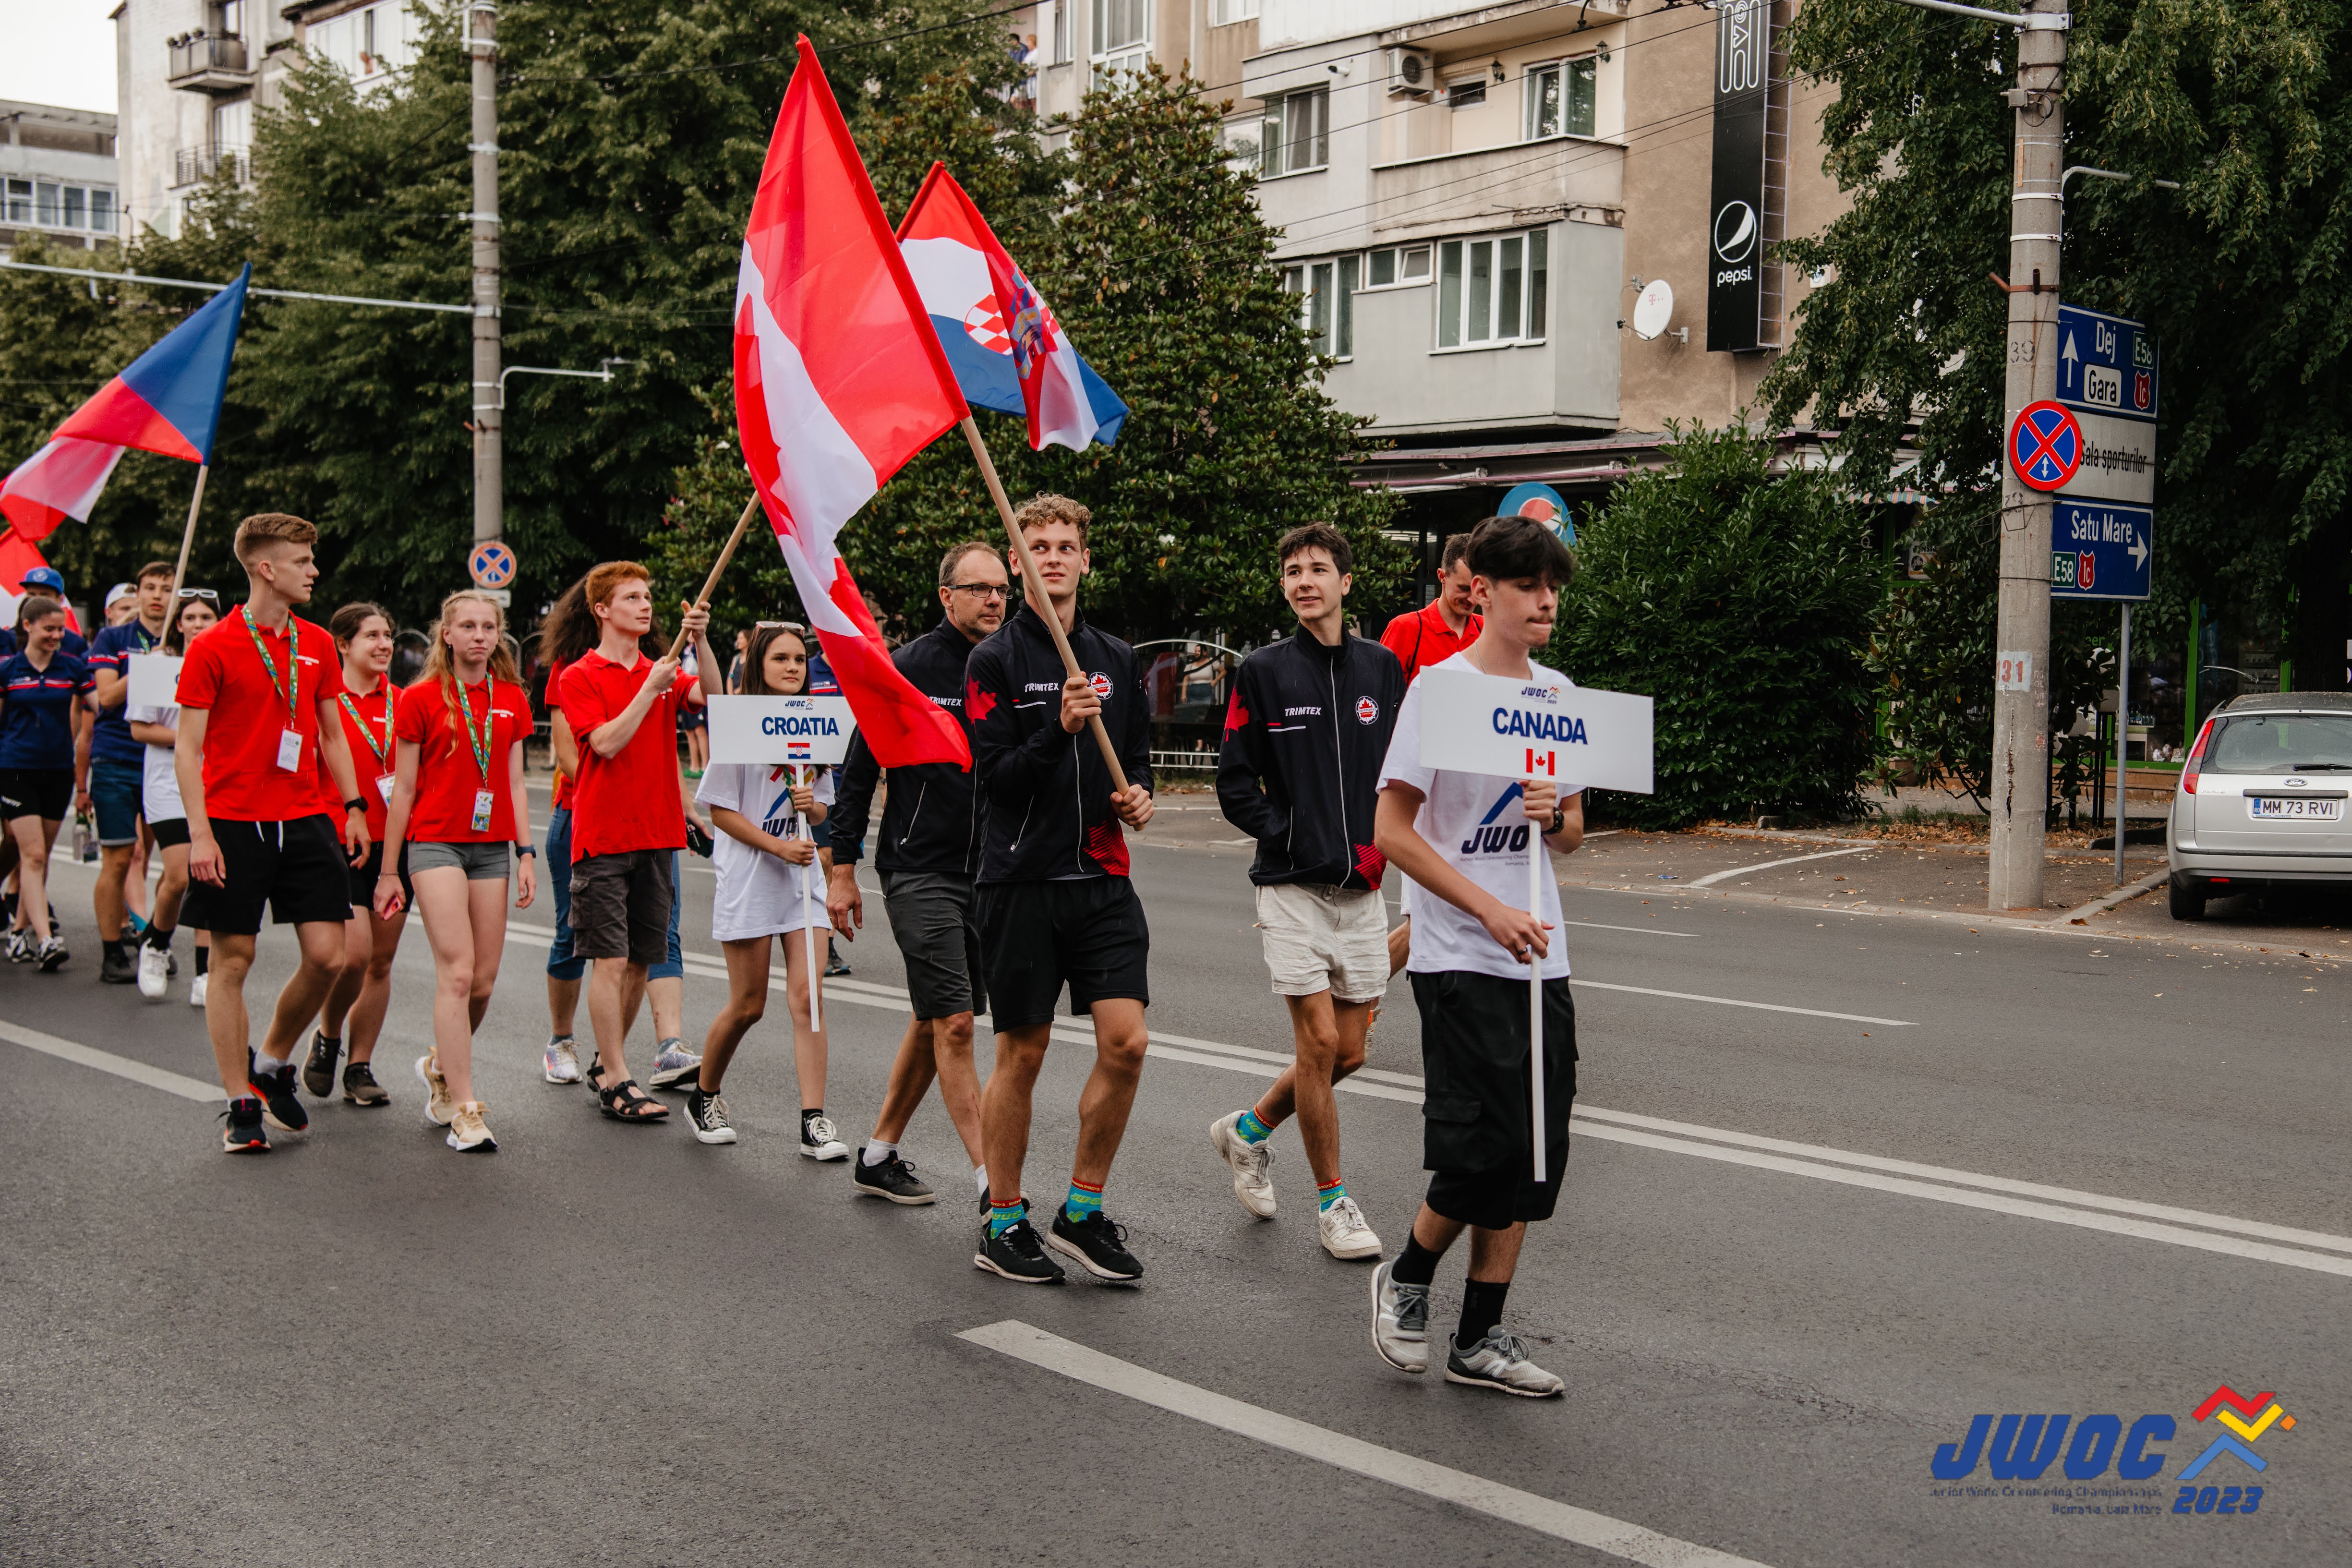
{"x":1542,"y":763}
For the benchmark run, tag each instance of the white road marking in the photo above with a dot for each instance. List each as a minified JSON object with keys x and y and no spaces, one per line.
{"x":107,"y":1061}
{"x":1714,"y":877}
{"x":1736,"y":1002}
{"x":1562,"y":1521}
{"x":1643,"y":931}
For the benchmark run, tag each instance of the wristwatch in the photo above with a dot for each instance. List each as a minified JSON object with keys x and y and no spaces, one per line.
{"x":1559,"y":820}
{"x":355,"y":803}
{"x":524,"y":846}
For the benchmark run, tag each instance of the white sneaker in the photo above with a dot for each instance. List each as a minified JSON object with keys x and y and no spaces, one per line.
{"x":468,"y":1134}
{"x":560,"y":1062}
{"x":1400,"y":1320}
{"x":196,"y":990}
{"x":820,"y":1141}
{"x":1344,"y":1232}
{"x":154,"y":970}
{"x":1252,"y":1163}
{"x":1500,"y":1362}
{"x":438,"y":1107}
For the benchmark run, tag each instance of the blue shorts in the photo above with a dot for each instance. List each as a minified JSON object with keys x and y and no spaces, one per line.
{"x":563,"y":963}
{"x":114,"y":795}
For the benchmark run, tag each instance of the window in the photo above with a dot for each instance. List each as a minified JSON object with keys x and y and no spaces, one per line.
{"x":233,"y":124}
{"x":1232,"y":11}
{"x":1394,"y":269}
{"x":45,"y":204}
{"x":367,"y":42}
{"x":1327,"y":307}
{"x":19,"y":207}
{"x":1493,"y":290}
{"x":1297,"y":132}
{"x":1466,"y":94}
{"x":102,"y":210}
{"x":1560,"y":99}
{"x":1057,"y":34}
{"x":1122,"y":37}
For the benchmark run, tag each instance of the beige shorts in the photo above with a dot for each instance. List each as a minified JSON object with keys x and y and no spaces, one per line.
{"x":1325,"y":938}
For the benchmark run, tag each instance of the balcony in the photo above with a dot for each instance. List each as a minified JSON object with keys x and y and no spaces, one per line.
{"x":1568,"y":176}
{"x":194,"y":165}
{"x":208,"y":62}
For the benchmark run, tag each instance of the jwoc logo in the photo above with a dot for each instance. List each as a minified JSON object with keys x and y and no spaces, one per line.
{"x":1365,"y":711}
{"x":1099,"y":684}
{"x":1491,"y":837}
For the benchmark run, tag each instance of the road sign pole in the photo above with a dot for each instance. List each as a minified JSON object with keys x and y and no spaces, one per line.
{"x":2123,"y":735}
{"x":490,"y":415}
{"x":2019,"y":791}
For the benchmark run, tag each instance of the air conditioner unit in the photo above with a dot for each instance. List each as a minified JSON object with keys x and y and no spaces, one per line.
{"x":1412,"y":73}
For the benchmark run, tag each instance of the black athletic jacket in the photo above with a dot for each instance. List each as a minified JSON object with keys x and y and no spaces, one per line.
{"x":1299,"y":771}
{"x":1046,"y":794}
{"x":932,"y":821}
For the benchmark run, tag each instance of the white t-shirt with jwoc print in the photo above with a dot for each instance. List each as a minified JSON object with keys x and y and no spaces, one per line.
{"x":1476,"y":823}
{"x":758,"y":894}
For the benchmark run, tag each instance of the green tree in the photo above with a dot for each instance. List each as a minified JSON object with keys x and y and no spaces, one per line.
{"x":1739,"y":600}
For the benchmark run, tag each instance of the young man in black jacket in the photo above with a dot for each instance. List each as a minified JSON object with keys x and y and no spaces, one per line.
{"x":1305,"y":735}
{"x":929,"y":849}
{"x":1055,"y":904}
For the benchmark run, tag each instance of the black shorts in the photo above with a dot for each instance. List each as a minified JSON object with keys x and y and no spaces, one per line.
{"x":170,"y":833}
{"x":364,"y":875}
{"x":1476,"y":1134}
{"x":938,"y":935}
{"x":297,"y":867}
{"x":1036,"y":937}
{"x":620,"y":905}
{"x":44,"y":793}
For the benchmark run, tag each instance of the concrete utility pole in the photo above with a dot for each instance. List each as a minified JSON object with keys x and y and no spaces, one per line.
{"x":489,"y":416}
{"x":2020,"y":715}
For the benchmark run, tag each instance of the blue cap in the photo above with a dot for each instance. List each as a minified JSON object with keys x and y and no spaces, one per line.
{"x":44,"y":577}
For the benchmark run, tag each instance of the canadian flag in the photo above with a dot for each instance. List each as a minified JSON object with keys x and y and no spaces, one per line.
{"x":839,"y":379}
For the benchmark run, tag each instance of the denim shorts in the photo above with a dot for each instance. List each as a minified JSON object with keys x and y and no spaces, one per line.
{"x":115,"y":789}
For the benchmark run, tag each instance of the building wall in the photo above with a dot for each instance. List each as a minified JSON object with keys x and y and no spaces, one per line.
{"x":58,"y":177}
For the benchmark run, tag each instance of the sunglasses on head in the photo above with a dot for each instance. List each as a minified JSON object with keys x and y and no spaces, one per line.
{"x":205,"y":594}
{"x":778,"y":626}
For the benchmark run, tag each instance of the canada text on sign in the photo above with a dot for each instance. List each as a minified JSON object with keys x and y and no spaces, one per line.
{"x":1573,"y":735}
{"x":815,"y":731}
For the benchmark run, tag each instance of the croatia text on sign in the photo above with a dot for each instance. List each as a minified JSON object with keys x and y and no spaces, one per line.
{"x":1572,"y":735}
{"x":2118,"y":460}
{"x":2046,"y":445}
{"x":2101,"y":551}
{"x":153,"y":680}
{"x":491,"y":566}
{"x":813,"y":729}
{"x":2012,"y":672}
{"x":2105,"y":364}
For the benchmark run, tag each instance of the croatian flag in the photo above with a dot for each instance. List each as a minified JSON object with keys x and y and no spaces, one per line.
{"x":838,"y":381}
{"x":1009,"y":352}
{"x":168,"y":401}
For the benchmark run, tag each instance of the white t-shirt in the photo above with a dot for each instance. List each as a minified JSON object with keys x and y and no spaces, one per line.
{"x":758,"y":894}
{"x":1475,"y":822}
{"x":159,"y":783}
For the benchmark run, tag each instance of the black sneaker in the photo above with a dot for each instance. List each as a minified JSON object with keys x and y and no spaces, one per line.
{"x":280,"y":1107}
{"x":361,"y":1088}
{"x":244,"y":1134}
{"x":318,"y":1072}
{"x":117,"y":968}
{"x":893,"y":1179}
{"x":706,"y":1115}
{"x":834,"y":965}
{"x":1017,"y":1254}
{"x":1098,"y":1244}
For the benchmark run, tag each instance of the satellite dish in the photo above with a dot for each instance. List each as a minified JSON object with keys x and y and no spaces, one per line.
{"x":1654,"y":310}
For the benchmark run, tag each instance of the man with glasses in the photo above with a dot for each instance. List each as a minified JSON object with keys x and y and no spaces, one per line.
{"x":118,"y":768}
{"x":926,"y":859}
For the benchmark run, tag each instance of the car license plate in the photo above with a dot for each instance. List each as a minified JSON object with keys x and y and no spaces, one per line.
{"x":2269,"y":805}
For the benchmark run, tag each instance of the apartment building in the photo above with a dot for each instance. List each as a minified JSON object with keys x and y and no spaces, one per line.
{"x":57,"y":176}
{"x":191,"y":74}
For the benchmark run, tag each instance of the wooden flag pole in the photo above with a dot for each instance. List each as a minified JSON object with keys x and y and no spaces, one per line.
{"x":187,"y":537}
{"x":1029,"y":575}
{"x":710,"y":584}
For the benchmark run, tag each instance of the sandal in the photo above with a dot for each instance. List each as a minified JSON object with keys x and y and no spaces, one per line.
{"x":625,"y":1101}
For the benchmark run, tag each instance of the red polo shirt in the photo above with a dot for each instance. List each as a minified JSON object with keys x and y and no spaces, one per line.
{"x":629,"y":800}
{"x":448,"y":773}
{"x":1420,"y":638}
{"x":224,"y":674}
{"x":374,"y":751}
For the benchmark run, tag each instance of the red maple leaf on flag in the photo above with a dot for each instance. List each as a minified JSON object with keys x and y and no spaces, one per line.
{"x":977,"y":704}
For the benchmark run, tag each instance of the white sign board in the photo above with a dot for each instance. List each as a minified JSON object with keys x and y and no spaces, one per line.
{"x":154,"y":679}
{"x":810,"y":730}
{"x":2118,"y":460}
{"x":2012,"y":671}
{"x":1574,"y":735}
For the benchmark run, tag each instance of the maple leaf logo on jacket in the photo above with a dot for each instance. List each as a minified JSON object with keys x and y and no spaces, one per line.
{"x":1236,"y":716}
{"x":977,"y":704}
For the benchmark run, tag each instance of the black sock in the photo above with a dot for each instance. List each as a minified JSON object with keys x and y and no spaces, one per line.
{"x":1417,"y":1266}
{"x":1482,"y":1309}
{"x":204,"y":956}
{"x":114,"y":948}
{"x":158,"y":936}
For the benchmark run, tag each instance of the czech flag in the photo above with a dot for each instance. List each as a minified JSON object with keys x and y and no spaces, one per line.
{"x":168,"y":401}
{"x":1009,"y":352}
{"x":838,"y":381}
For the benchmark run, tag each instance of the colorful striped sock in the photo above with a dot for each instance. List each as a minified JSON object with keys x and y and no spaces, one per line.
{"x":1250,"y":1129}
{"x":1083,"y":1202}
{"x":1329,"y":1192}
{"x":1003,"y":1217}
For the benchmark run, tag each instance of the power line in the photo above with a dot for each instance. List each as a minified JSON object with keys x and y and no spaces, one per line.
{"x":217,"y":287}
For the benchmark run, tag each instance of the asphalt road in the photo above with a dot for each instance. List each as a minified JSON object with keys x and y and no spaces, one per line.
{"x":1839,"y":1183}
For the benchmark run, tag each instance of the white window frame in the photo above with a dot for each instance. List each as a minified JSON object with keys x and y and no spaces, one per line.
{"x":1563,"y":70}
{"x":1227,"y":12}
{"x":29,"y":202}
{"x":1276,"y":159}
{"x":1402,"y":279}
{"x":1476,"y":316}
{"x":1128,"y":54}
{"x":1327,"y":286}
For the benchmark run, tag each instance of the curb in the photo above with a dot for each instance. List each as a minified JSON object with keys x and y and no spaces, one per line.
{"x":2125,"y":895}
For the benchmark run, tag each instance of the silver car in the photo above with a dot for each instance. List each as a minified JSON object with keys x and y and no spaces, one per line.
{"x":2263,"y":799}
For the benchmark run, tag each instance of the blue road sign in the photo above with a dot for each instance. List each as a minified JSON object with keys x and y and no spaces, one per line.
{"x":2099,"y":551}
{"x":2046,"y":445}
{"x":491,"y":566}
{"x":2105,"y":364}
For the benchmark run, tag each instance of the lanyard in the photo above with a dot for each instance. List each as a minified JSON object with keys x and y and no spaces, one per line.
{"x":482,"y":737}
{"x":358,"y":719}
{"x":291,"y":691}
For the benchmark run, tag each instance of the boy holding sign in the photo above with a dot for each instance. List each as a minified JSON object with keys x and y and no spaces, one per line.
{"x":1467,"y":839}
